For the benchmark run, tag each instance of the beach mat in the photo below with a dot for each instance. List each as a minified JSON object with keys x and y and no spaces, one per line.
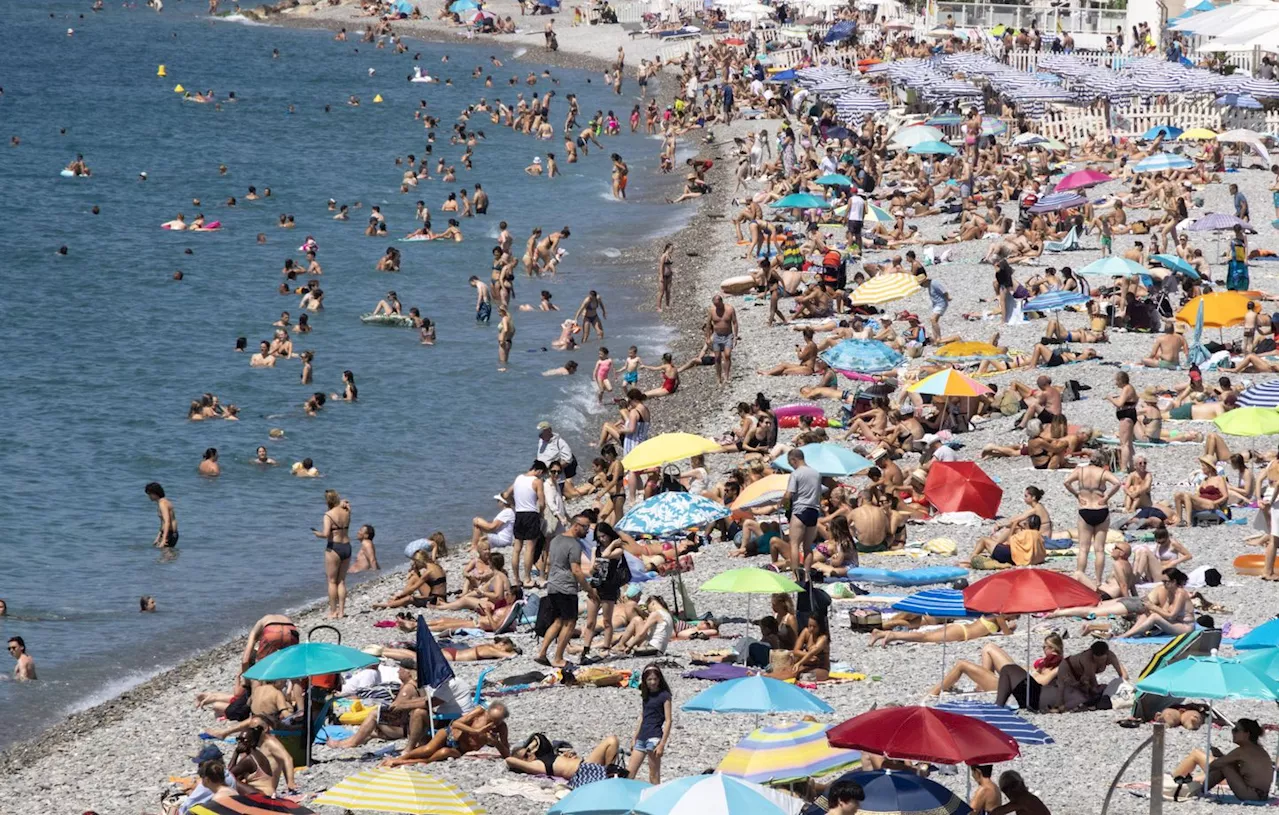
{"x":719,"y":672}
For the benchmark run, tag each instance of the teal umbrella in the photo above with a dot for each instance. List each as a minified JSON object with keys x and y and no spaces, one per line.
{"x":1112,"y":266}
{"x":1264,"y":636}
{"x":1265,"y":663}
{"x":459,"y":6}
{"x":1197,"y":354}
{"x":1176,"y":264}
{"x":932,"y":148}
{"x":613,"y":796}
{"x":835,"y":180}
{"x":756,"y":694}
{"x":828,"y":459}
{"x":801,"y":200}
{"x":309,"y":659}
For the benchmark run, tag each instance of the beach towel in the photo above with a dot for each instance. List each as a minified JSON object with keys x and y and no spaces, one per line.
{"x":518,"y":788}
{"x":719,"y":672}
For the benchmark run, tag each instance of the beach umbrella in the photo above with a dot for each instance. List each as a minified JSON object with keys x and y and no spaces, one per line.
{"x":1240,"y":135}
{"x":767,"y":490}
{"x":916,"y":134}
{"x":949,"y":382}
{"x":968,"y":352}
{"x":1168,"y":131}
{"x":1056,"y":301}
{"x":828,"y":459}
{"x":254,"y":804}
{"x":863,"y":356}
{"x":415,"y":546}
{"x":1265,"y":663}
{"x":1197,"y":134}
{"x":459,"y":6}
{"x":1028,"y":139}
{"x":1262,"y":395}
{"x":837,"y":133}
{"x":1216,"y":221}
{"x":992,"y":126}
{"x":756,"y":694}
{"x":750,"y":580}
{"x":785,"y":752}
{"x":885,"y":288}
{"x":434,"y":671}
{"x":1197,"y":353}
{"x":1112,"y":266}
{"x":1163,"y":162}
{"x":932,"y":148}
{"x":1082,"y":179}
{"x":1249,"y":421}
{"x":399,"y":789}
{"x":1001,"y":718}
{"x":1237,"y":100}
{"x":1264,"y":636}
{"x":1176,"y":264}
{"x":612,"y":796}
{"x":309,"y":659}
{"x":666,"y":448}
{"x":915,"y":733}
{"x":894,"y":792}
{"x":1056,"y":201}
{"x":801,"y":200}
{"x":835,"y":180}
{"x":962,"y":486}
{"x":876,"y":215}
{"x":945,"y":120}
{"x":1222,"y":309}
{"x":946,"y":604}
{"x":715,"y":794}
{"x":671,"y":512}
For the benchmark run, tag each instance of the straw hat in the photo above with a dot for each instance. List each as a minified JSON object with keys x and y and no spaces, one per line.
{"x":1208,"y":461}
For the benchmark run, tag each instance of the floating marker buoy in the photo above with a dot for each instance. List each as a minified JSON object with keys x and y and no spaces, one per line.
{"x":179,"y":89}
{"x":160,"y":71}
{"x":377,"y":98}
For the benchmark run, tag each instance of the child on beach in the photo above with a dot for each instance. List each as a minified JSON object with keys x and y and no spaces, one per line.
{"x":654,"y":725}
{"x":601,"y":375}
{"x":631,"y":367}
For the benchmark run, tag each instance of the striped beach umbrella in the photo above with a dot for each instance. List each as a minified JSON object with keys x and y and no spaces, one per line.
{"x":1163,"y":162}
{"x":942,"y":603}
{"x":1001,"y":718}
{"x":885,"y":288}
{"x":1056,"y":301}
{"x":1262,"y":395}
{"x":863,"y":356}
{"x":1216,"y":221}
{"x":255,"y":804}
{"x":876,"y":215}
{"x":1059,"y":200}
{"x":949,"y":382}
{"x":785,"y":752}
{"x":399,"y":789}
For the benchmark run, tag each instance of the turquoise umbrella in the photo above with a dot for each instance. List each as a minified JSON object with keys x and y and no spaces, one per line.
{"x":801,"y":200}
{"x":828,"y":459}
{"x":1265,"y":663}
{"x":863,"y":356}
{"x":1264,"y":636}
{"x":1112,"y":266}
{"x":1198,"y":354}
{"x":459,"y":6}
{"x":932,"y":148}
{"x":835,"y":180}
{"x":756,"y":694}
{"x":613,"y":796}
{"x":1176,"y":264}
{"x":671,"y":512}
{"x":715,"y":794}
{"x":309,"y":659}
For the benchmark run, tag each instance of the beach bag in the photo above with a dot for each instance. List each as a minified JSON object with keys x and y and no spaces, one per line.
{"x":542,"y":621}
{"x":780,"y":659}
{"x":865,"y":619}
{"x":1008,"y":405}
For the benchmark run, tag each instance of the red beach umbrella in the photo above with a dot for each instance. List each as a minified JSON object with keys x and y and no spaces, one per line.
{"x":1027,"y":591}
{"x":1081,"y":179}
{"x":962,"y":486}
{"x":924,"y":734}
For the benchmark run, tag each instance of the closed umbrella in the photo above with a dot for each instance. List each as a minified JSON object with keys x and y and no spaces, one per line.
{"x":1264,"y":636}
{"x":666,"y":448}
{"x":1262,"y":395}
{"x":949,"y":382}
{"x":1082,"y":179}
{"x":1249,"y":421}
{"x":801,"y":200}
{"x":399,"y":789}
{"x":962,"y":486}
{"x":1056,"y":301}
{"x":885,"y":288}
{"x":715,"y":794}
{"x":613,"y":796}
{"x":863,"y":356}
{"x":434,"y":671}
{"x":1001,"y":718}
{"x":1222,"y":309}
{"x":902,"y":793}
{"x":828,"y":459}
{"x":758,"y":695}
{"x":785,"y":752}
{"x":916,"y":733}
{"x":671,"y":512}
{"x":1112,"y":266}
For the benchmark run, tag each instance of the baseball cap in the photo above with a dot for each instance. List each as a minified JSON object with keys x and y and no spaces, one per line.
{"x":544,"y":425}
{"x":207,"y":754}
{"x":500,"y":499}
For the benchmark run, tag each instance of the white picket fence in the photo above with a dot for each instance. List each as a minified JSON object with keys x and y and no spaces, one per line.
{"x":1139,"y":117}
{"x":1028,"y":60}
{"x":785,"y":57}
{"x":1070,"y":125}
{"x":631,"y":12}
{"x":676,"y":51}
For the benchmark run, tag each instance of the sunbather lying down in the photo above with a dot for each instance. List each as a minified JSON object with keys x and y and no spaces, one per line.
{"x":500,"y":648}
{"x":477,"y":729}
{"x":538,"y":756}
{"x":986,"y":626}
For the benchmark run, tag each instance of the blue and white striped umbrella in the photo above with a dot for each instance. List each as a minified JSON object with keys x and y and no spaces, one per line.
{"x":1238,"y":100}
{"x":1260,"y":88}
{"x":863,"y":356}
{"x":1264,"y":395}
{"x":1163,"y":162}
{"x":671,"y":512}
{"x":1001,"y":718}
{"x":1059,"y":200}
{"x":1056,"y":301}
{"x":943,"y":603}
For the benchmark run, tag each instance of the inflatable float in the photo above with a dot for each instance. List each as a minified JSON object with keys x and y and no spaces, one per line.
{"x":798,"y":409}
{"x":911,"y":577}
{"x":70,"y":174}
{"x":741,"y":284}
{"x":1252,"y":564}
{"x":393,"y":320}
{"x":414,"y":239}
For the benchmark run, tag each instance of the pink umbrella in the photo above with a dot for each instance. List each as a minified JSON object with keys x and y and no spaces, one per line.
{"x":1081,"y":179}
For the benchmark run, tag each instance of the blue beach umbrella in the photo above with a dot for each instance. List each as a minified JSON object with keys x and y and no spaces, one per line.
{"x":1198,"y":354}
{"x":835,"y":180}
{"x":1059,"y":200}
{"x":902,"y":793}
{"x":932,"y":148}
{"x":1265,"y":663}
{"x":715,"y":794}
{"x":1001,"y":718}
{"x":947,"y":603}
{"x":1263,"y":395}
{"x":756,"y":694}
{"x":828,"y":459}
{"x":671,"y":512}
{"x":1211,"y":677}
{"x":945,"y":120}
{"x":862,"y":356}
{"x":1176,"y":264}
{"x":613,"y":796}
{"x":1168,"y":131}
{"x":1163,"y":162}
{"x":1264,"y":636}
{"x":1238,"y":100}
{"x":788,"y":75}
{"x":1056,"y":301}
{"x":801,"y":200}
{"x":309,"y":659}
{"x":1112,"y":266}
{"x":459,"y":6}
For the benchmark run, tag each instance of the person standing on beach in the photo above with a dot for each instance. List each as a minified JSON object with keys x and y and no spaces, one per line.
{"x":724,"y":335}
{"x":525,"y":496}
{"x":564,"y":580}
{"x":167,"y":537}
{"x":665,"y":273}
{"x":804,"y":490}
{"x":337,"y":551}
{"x":25,"y":670}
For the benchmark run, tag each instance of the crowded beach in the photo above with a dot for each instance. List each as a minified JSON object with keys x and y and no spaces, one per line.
{"x":958,"y":486}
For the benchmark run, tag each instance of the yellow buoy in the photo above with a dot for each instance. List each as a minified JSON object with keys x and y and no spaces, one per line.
{"x":160,"y":71}
{"x":179,"y":89}
{"x":377,"y":98}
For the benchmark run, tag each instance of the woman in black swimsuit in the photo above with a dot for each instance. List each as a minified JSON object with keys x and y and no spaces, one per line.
{"x":337,"y":551}
{"x":1089,"y":484}
{"x":1126,"y":404}
{"x":424,"y":586}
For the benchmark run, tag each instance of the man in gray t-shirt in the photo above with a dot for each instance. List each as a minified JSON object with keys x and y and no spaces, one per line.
{"x":804,"y":490}
{"x":564,"y":579}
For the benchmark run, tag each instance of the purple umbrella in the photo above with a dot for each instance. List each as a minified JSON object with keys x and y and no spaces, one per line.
{"x":1059,"y":200}
{"x":1217,"y":220}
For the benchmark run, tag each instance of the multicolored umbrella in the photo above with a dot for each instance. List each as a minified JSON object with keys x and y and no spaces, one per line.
{"x":1249,"y":421}
{"x":785,"y":752}
{"x":902,"y":793}
{"x":1162,"y":163}
{"x":715,"y":794}
{"x":949,"y":382}
{"x":917,"y":733}
{"x":767,"y":490}
{"x":962,"y":486}
{"x":1056,"y":201}
{"x":671,"y":512}
{"x":255,"y":804}
{"x":399,"y":789}
{"x":1222,"y":309}
{"x":968,"y":352}
{"x":863,"y":356}
{"x":666,"y":448}
{"x":885,"y":288}
{"x":1112,"y":266}
{"x":876,"y":215}
{"x":1056,"y":301}
{"x":801,"y":200}
{"x":1082,"y":179}
{"x":828,"y":459}
{"x":1264,"y":636}
{"x":612,"y":796}
{"x":756,"y":694}
{"x":992,"y":126}
{"x":750,"y":580}
{"x":1001,"y":718}
{"x":945,"y":120}
{"x":1261,"y":395}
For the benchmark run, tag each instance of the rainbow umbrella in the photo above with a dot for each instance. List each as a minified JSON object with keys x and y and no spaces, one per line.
{"x":785,"y":752}
{"x":949,"y":382}
{"x":1082,"y":179}
{"x":1249,"y":421}
{"x":885,"y":288}
{"x":967,"y":352}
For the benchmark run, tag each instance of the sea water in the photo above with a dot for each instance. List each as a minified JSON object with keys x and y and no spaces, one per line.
{"x":103,"y":350}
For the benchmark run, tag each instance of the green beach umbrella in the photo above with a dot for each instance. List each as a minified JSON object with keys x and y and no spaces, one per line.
{"x":801,"y":200}
{"x":876,"y":215}
{"x":750,"y":580}
{"x":1249,"y":421}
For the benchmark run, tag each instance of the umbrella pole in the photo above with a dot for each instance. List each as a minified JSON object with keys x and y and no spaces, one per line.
{"x":306,"y":724}
{"x":431,"y":713}
{"x":1208,"y":751}
{"x":1029,"y":679}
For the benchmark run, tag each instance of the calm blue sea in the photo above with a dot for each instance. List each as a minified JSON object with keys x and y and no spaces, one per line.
{"x":103,"y":351}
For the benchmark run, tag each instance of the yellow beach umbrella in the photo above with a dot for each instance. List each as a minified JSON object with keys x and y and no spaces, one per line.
{"x":1197,"y":134}
{"x":667,"y":448}
{"x":767,"y":490}
{"x":1249,"y":421}
{"x":399,"y":790}
{"x":954,"y":351}
{"x":949,"y":382}
{"x":885,"y":288}
{"x":785,"y":752}
{"x":1222,"y":309}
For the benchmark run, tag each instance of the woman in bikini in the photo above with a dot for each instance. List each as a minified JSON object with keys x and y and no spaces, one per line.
{"x":538,"y":756}
{"x":477,"y":729}
{"x":1092,"y":485}
{"x":986,"y":626}
{"x":489,"y":596}
{"x":1212,"y":494}
{"x":1168,"y":608}
{"x":986,"y":675}
{"x":424,"y":586}
{"x":812,"y":653}
{"x":337,"y":551}
{"x":1126,"y":405}
{"x":670,"y":378}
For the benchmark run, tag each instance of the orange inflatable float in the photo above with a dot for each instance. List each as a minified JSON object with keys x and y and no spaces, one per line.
{"x":1251,"y":564}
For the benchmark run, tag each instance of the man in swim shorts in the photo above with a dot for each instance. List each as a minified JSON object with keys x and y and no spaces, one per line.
{"x":804,"y":490}
{"x":724,"y":333}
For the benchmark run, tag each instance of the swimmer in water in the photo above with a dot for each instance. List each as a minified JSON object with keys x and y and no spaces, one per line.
{"x":167,"y":537}
{"x":178,"y":224}
{"x":506,"y":335}
{"x":568,"y":369}
{"x":264,"y":358}
{"x":262,"y":459}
